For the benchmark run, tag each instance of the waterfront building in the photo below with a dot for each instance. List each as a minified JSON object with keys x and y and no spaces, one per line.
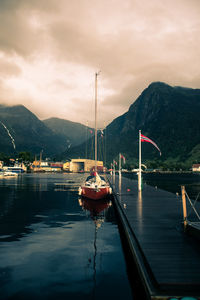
{"x":46,"y":166}
{"x":75,"y":165}
{"x":85,"y":165}
{"x":66,"y":166}
{"x":196,"y":168}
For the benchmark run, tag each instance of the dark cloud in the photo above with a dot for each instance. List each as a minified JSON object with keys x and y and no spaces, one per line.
{"x":17,"y":34}
{"x":132,"y":42}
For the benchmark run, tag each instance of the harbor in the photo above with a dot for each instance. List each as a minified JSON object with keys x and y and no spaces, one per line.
{"x":56,"y":244}
{"x":167,"y":259}
{"x":99,"y":150}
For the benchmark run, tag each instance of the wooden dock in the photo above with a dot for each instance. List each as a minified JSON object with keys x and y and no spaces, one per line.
{"x":167,"y":259}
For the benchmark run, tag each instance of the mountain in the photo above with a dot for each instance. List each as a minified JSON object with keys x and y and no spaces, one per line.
{"x":168,"y":115}
{"x":74,"y":133}
{"x":21,"y":130}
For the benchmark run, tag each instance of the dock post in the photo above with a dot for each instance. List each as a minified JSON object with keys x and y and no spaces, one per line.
{"x":184,"y":206}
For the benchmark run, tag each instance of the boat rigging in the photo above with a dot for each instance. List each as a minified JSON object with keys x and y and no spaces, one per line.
{"x":95,"y":187}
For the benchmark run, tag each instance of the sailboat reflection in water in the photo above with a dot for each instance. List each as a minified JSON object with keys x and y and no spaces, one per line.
{"x":96,"y":208}
{"x":97,"y":211}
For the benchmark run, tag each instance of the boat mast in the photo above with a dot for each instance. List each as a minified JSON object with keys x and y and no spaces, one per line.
{"x":96,"y":74}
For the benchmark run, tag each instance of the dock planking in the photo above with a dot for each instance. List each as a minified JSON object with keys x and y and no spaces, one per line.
{"x":167,"y":258}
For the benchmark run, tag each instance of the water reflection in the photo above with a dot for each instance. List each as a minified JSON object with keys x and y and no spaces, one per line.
{"x":96,"y":208}
{"x":140,"y":212}
{"x":140,"y":205}
{"x":97,"y":211}
{"x":53,"y":248}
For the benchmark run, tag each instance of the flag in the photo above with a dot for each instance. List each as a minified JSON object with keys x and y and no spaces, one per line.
{"x":124,"y":159}
{"x":91,"y":131}
{"x":148,"y":140}
{"x":115,"y":162}
{"x":102,"y":133}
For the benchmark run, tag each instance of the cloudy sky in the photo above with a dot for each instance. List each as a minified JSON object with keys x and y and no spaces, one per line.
{"x":51,"y":49}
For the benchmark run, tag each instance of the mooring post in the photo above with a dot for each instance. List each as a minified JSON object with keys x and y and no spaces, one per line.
{"x":184,"y":206}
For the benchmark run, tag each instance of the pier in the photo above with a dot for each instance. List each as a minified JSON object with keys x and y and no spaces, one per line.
{"x":166,"y":258}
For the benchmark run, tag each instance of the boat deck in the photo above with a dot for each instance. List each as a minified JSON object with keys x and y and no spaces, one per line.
{"x":167,"y":258}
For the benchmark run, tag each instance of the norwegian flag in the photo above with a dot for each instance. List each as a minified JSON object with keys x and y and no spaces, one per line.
{"x":148,"y":140}
{"x":115,"y":162}
{"x":124,"y":159}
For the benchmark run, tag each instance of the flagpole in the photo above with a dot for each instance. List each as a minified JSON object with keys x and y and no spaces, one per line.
{"x":113,"y":171}
{"x":96,"y":74}
{"x":139,"y":173}
{"x":120,"y":174}
{"x":120,"y":163}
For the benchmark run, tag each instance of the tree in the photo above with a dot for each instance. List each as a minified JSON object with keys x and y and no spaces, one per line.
{"x":25,"y":156}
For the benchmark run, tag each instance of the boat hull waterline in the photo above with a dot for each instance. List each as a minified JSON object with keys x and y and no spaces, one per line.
{"x":95,"y":193}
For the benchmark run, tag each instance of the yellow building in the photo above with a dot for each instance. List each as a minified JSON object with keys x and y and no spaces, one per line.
{"x":36,"y":163}
{"x":66,"y":166}
{"x":36,"y":166}
{"x":84,"y":165}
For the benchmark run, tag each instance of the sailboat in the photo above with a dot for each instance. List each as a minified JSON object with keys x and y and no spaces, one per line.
{"x":95,"y":187}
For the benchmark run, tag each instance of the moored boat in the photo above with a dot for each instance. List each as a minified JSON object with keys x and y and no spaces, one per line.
{"x":8,"y":174}
{"x":17,"y":168}
{"x":95,"y":187}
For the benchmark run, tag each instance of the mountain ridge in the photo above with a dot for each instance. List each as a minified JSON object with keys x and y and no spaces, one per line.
{"x":21,"y":130}
{"x":163,"y":112}
{"x":28,"y":132}
{"x":168,"y":115}
{"x":65,"y":127}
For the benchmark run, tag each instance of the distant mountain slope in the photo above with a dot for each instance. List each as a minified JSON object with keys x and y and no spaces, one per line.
{"x":76,"y":133}
{"x":168,"y":115}
{"x":27,"y":131}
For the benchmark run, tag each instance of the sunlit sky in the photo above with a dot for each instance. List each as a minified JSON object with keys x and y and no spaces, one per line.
{"x":51,"y":49}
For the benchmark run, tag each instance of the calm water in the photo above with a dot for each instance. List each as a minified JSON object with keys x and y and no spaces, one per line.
{"x":172,"y":182}
{"x":55,"y":246}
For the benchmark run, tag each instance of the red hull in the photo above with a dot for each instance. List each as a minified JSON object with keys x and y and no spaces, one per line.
{"x":95,"y":194}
